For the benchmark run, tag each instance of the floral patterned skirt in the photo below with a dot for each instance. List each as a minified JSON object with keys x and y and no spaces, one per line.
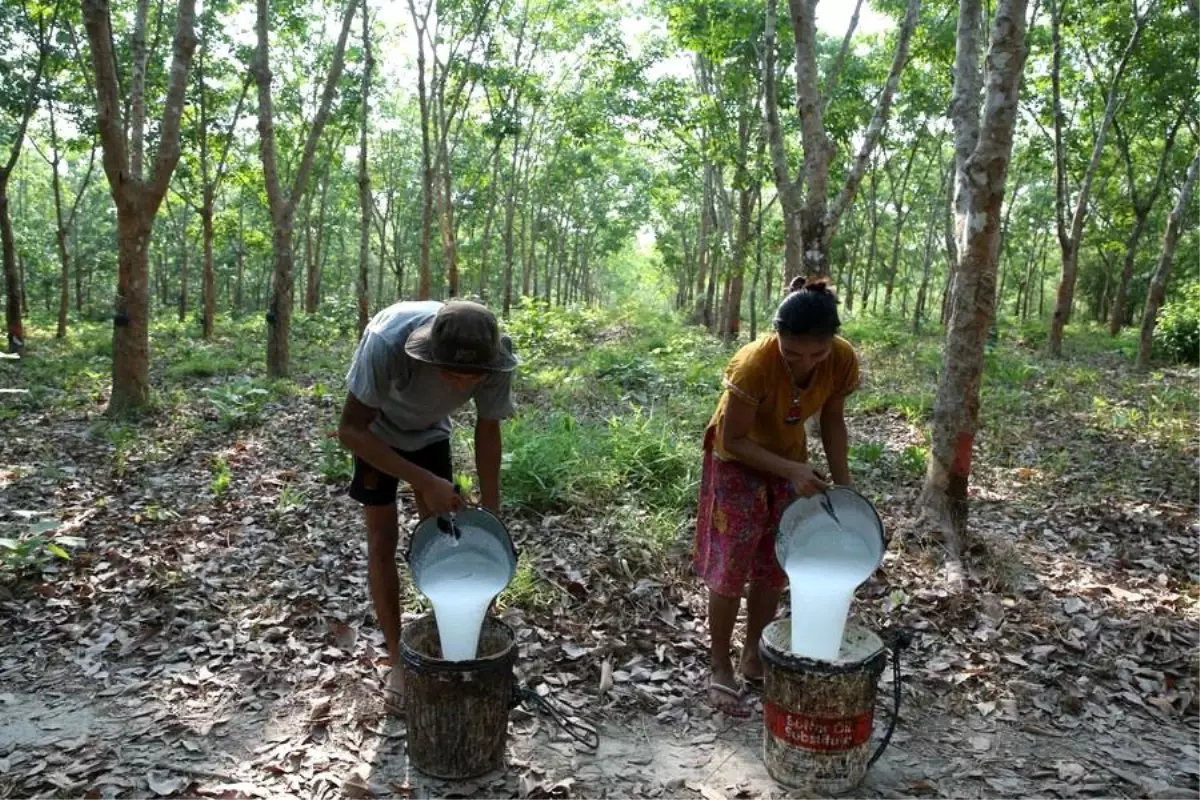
{"x":736,"y":523}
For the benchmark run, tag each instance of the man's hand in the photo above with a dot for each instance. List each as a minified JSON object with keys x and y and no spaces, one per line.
{"x":439,"y":495}
{"x":806,"y":481}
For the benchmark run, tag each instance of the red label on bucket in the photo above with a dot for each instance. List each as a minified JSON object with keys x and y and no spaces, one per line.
{"x":820,"y":734}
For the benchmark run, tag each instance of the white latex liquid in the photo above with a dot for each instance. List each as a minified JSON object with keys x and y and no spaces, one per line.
{"x":460,"y":581}
{"x":823,"y":571}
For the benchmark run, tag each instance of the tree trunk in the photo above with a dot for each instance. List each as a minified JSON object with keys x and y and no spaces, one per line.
{"x":820,"y":218}
{"x":757,"y":268}
{"x":137,"y":201}
{"x":733,"y":313}
{"x":425,"y":280}
{"x":553,"y":258}
{"x":1158,"y":284}
{"x":1141,"y":213}
{"x":1022,"y":308}
{"x":137,"y":91}
{"x":279,"y":307}
{"x":64,"y":282}
{"x":510,"y":201}
{"x":383,"y":222}
{"x":533,"y":239}
{"x":239,"y":296}
{"x":364,"y":179}
{"x":183,"y":268}
{"x":710,"y":294}
{"x":489,"y":217}
{"x":702,"y":244}
{"x":64,"y":221}
{"x":949,"y":211}
{"x":852,"y":266}
{"x":13,"y":283}
{"x":956,"y":406}
{"x":282,"y":205}
{"x":210,"y":181}
{"x":522,"y":245}
{"x":789,"y":191}
{"x":901,"y":215}
{"x":210,"y":282}
{"x":78,"y":273}
{"x":1069,"y":237}
{"x":873,"y":248}
{"x":383,"y":259}
{"x":131,"y":330}
{"x":12,"y":279}
{"x":160,"y":278}
{"x":445,"y":202}
{"x":1042,"y":286}
{"x":21,"y":281}
{"x":927,"y":255}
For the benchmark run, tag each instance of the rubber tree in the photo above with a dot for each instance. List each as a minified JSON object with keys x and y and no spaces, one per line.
{"x":282,"y":201}
{"x":811,"y":218}
{"x":38,"y":24}
{"x":137,"y":197}
{"x":983,"y":150}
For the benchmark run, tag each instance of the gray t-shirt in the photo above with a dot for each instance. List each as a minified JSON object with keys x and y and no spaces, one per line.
{"x":414,"y":401}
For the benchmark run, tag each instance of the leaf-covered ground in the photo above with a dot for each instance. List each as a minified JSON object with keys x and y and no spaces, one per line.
{"x":210,"y":632}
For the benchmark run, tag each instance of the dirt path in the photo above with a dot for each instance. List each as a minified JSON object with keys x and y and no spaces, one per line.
{"x":58,"y":739}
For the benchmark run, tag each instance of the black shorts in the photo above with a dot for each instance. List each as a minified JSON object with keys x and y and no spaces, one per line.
{"x":373,"y":488}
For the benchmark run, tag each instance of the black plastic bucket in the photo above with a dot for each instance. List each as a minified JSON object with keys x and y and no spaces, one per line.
{"x":457,"y":710}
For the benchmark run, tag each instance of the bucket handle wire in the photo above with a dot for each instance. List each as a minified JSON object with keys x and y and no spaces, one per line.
{"x":897,"y":639}
{"x":584,"y":734}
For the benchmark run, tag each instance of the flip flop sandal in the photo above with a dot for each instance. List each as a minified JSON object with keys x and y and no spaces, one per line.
{"x":737,"y":712}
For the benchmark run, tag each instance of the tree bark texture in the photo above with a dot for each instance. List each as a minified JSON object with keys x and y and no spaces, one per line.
{"x":956,"y":406}
{"x":137,"y":200}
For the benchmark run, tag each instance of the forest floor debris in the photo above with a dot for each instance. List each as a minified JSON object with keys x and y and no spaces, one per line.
{"x":212,"y":634}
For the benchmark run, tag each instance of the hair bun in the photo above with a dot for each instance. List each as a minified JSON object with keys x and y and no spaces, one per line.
{"x":802,"y":284}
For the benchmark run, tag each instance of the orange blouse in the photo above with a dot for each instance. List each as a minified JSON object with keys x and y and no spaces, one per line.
{"x":759,"y":376}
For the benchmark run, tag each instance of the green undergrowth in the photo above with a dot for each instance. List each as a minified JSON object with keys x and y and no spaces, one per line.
{"x":612,"y":407}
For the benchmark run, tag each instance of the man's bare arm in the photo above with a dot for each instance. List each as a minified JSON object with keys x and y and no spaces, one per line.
{"x":487,"y":462}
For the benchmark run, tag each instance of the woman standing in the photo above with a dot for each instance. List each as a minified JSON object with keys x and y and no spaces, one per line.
{"x":756,"y":462}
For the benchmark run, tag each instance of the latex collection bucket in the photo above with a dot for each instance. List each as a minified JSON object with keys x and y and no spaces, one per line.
{"x":806,"y":522}
{"x":819,"y":715}
{"x":828,"y":545}
{"x":461,"y":562}
{"x":457,"y":711}
{"x":443,"y":537}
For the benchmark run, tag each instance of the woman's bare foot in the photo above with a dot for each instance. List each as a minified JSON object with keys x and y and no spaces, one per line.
{"x":724,"y":694}
{"x":752,"y":667}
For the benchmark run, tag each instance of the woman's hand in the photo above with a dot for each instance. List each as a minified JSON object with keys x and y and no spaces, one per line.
{"x":806,"y":480}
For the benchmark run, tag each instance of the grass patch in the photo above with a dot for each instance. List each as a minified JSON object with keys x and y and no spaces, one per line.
{"x":241,"y":402}
{"x":528,"y":590}
{"x":556,"y":462}
{"x":203,"y":365}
